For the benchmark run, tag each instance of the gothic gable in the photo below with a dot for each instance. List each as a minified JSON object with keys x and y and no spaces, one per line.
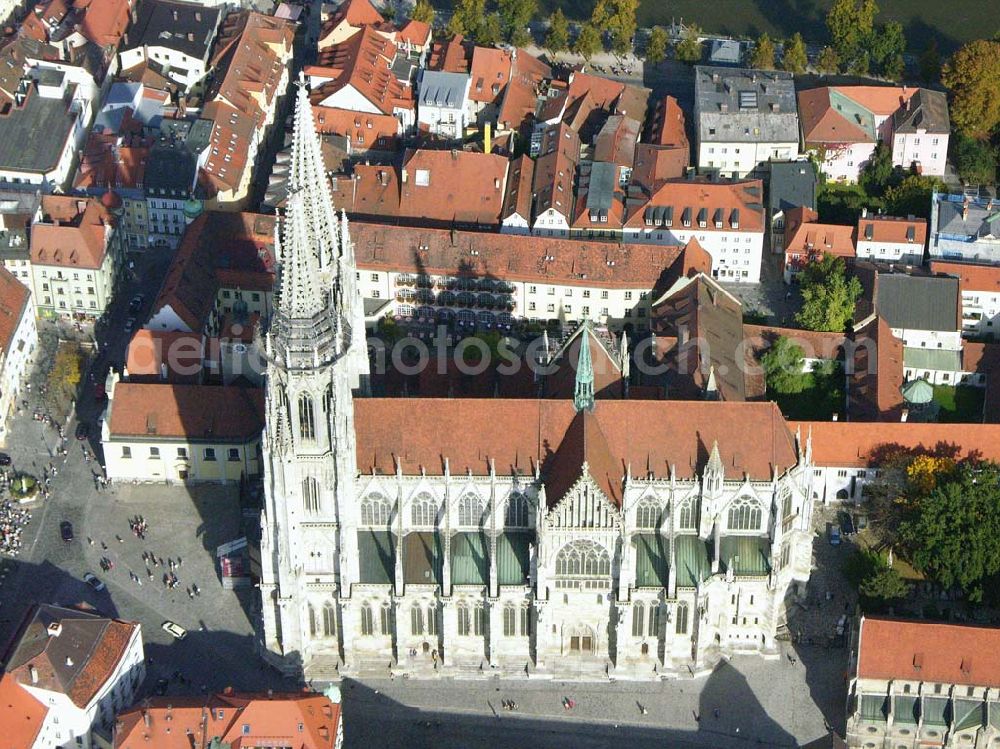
{"x":584,"y":506}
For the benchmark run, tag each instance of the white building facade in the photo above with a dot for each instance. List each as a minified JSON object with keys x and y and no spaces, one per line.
{"x":18,"y":339}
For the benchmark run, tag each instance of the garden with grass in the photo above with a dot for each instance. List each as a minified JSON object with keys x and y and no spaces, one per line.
{"x":959,"y":404}
{"x":802,"y":394}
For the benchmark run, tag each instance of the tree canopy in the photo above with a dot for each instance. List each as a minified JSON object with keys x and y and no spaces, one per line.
{"x":588,"y":42}
{"x":515,"y":15}
{"x":976,"y":160}
{"x":656,"y":49}
{"x":828,"y":61}
{"x":782,"y":365}
{"x":860,"y":44}
{"x":557,"y":38}
{"x":911,"y":196}
{"x":828,"y":295}
{"x":878,"y":172}
{"x":689,"y":48}
{"x":467,"y":17}
{"x":930,"y":63}
{"x":795,"y":59}
{"x":423,"y":11}
{"x":762,"y":56}
{"x":616,"y":18}
{"x":973,"y":75}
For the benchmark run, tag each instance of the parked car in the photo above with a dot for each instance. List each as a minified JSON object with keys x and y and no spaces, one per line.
{"x":82,"y":431}
{"x":4,"y":459}
{"x":91,"y":580}
{"x":847,"y":524}
{"x":66,"y":531}
{"x":834,"y":535}
{"x":174,"y":630}
{"x":136,"y":304}
{"x":129,"y":324}
{"x":100,"y":391}
{"x":161,"y":687}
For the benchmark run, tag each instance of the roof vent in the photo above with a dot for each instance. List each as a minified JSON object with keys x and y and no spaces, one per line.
{"x":33,"y":674}
{"x":69,"y":661}
{"x":54,"y":629}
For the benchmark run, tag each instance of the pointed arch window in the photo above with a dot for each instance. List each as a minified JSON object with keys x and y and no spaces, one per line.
{"x":583,"y":558}
{"x":464,"y":622}
{"x":307,"y":417}
{"x":329,"y":620}
{"x":479,"y":619}
{"x":654,"y":620}
{"x":470,"y":509}
{"x":687,"y":515}
{"x":517,"y":510}
{"x":416,"y":620}
{"x":310,"y":494}
{"x":385,"y":619}
{"x":647,"y":514}
{"x":367,"y":620}
{"x":424,"y":510}
{"x":638,"y":616}
{"x":681,"y":623}
{"x":525,"y":619}
{"x":312,"y":620}
{"x":376,"y":510}
{"x":432,"y":620}
{"x":509,"y":620}
{"x":744,"y":514}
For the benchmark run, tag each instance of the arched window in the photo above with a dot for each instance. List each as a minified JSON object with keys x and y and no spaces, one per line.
{"x":464,"y":623}
{"x":583,"y":559}
{"x":312,"y":620}
{"x":329,"y":620}
{"x":425,"y":510}
{"x":307,"y":417}
{"x":375,"y":510}
{"x":687,"y":515}
{"x":654,"y":620}
{"x":638,"y":612}
{"x":385,"y":618}
{"x":517,"y":510}
{"x":479,"y":619}
{"x":367,"y":620}
{"x":328,"y":400}
{"x":509,"y":620}
{"x":647,"y":514}
{"x":786,"y":502}
{"x":432,"y":620}
{"x":310,"y":494}
{"x":416,"y":620}
{"x":470,"y":509}
{"x":744,"y":514}
{"x":681,"y":623}
{"x":525,"y":619}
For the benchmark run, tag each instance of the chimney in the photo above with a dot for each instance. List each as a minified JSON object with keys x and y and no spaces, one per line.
{"x":69,"y":661}
{"x":145,"y":713}
{"x":190,"y":36}
{"x":836,"y":417}
{"x":965,"y":210}
{"x":33,"y":673}
{"x":487,"y":139}
{"x":864,"y":212}
{"x":403,"y":175}
{"x":54,"y":629}
{"x":905,"y":415}
{"x":175,"y":15}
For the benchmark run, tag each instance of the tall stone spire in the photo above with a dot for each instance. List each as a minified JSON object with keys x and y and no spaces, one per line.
{"x":583,"y":397}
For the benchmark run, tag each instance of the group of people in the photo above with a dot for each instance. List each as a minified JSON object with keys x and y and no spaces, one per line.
{"x":138,"y":527}
{"x":12,"y":521}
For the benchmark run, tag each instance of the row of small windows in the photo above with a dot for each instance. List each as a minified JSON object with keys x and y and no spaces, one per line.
{"x":648,"y":514}
{"x":376,"y":510}
{"x":209,"y":454}
{"x":471,"y":620}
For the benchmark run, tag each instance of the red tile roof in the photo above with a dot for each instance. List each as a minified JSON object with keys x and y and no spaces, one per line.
{"x":197,"y":413}
{"x":451,"y":56}
{"x":694,"y":195}
{"x":665,"y":124}
{"x":417,"y":33}
{"x":555,"y":170}
{"x":807,"y":241}
{"x":520,"y":98}
{"x":520,"y":175}
{"x":929,"y":652}
{"x":14,"y":298}
{"x":490,"y":71}
{"x":880,"y":100}
{"x":649,"y":436}
{"x":654,"y":165}
{"x":820,"y":123}
{"x":302,"y":720}
{"x":615,"y":142}
{"x":814,"y":344}
{"x":23,"y":714}
{"x":364,"y":130}
{"x":72,"y":232}
{"x":105,"y":21}
{"x":970,"y":277}
{"x":571,"y":262}
{"x":109,"y":160}
{"x":363,"y":62}
{"x":150,"y":350}
{"x":892,"y":229}
{"x":356,"y":13}
{"x":874,"y":386}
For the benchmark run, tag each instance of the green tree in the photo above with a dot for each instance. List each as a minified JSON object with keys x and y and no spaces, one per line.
{"x":467,"y":15}
{"x":689,"y":48}
{"x":795,"y":59}
{"x":975,"y":160}
{"x":882,"y":586}
{"x":851,"y":24}
{"x":828,"y":295}
{"x":877,"y":173}
{"x":782,"y":364}
{"x":423,"y":11}
{"x":973,"y":75}
{"x":557,"y":39}
{"x":515,"y":16}
{"x":886,"y":46}
{"x":616,"y":18}
{"x":490,"y":31}
{"x":828,"y":61}
{"x":930,"y":63}
{"x":64,"y":377}
{"x":762,"y":56}
{"x":588,"y":42}
{"x":912,"y":196}
{"x":951,"y":533}
{"x":656,"y":50}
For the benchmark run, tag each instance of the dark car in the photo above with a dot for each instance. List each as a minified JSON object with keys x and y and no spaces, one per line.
{"x":161,"y":687}
{"x":66,"y":531}
{"x":82,"y":431}
{"x":4,"y":459}
{"x":136,"y":304}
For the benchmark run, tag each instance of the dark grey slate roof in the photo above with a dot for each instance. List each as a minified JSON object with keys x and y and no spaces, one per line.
{"x":602,"y":182}
{"x":745,"y":106}
{"x":926,"y":110}
{"x":918,"y":302}
{"x":185,"y":27}
{"x":22,"y":147}
{"x":440,"y":89}
{"x":793,"y":185}
{"x":170,"y":171}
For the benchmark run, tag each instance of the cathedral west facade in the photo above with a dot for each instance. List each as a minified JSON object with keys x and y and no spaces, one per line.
{"x":566,"y":537}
